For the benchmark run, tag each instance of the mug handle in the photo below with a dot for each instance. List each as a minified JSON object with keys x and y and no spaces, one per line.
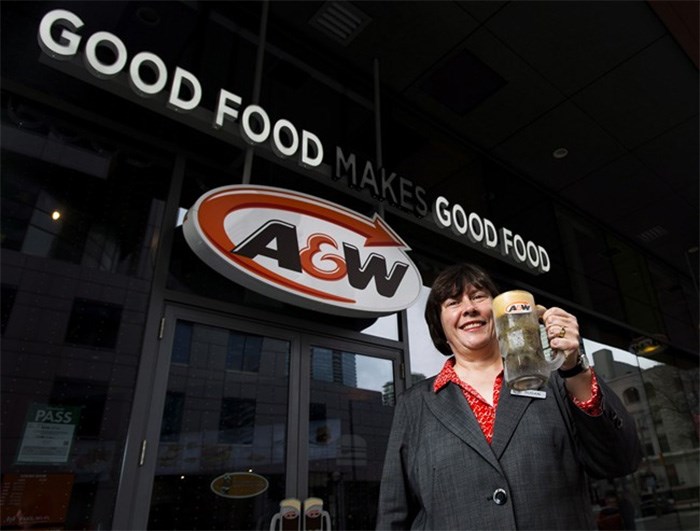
{"x":557,"y":359}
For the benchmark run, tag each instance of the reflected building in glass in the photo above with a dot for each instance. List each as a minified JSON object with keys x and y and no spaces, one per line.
{"x":664,"y":403}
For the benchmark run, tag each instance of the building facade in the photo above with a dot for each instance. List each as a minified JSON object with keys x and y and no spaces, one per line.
{"x":143,"y":389}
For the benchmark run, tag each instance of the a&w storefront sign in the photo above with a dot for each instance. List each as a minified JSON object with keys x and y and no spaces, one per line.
{"x":303,"y":250}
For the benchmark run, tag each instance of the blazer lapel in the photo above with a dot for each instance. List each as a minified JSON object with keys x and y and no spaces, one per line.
{"x":509,"y":412}
{"x":451,"y":408}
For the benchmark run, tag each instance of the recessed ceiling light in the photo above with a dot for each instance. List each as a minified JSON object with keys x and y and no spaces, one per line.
{"x":560,"y":153}
{"x":341,"y":21}
{"x":652,"y":234}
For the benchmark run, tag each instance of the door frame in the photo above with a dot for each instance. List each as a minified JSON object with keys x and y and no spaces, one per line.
{"x":142,"y":448}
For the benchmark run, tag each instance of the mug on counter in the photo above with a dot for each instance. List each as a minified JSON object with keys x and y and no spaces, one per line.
{"x":526,"y":366}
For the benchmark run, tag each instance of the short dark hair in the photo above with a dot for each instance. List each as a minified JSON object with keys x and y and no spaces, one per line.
{"x":452,"y":282}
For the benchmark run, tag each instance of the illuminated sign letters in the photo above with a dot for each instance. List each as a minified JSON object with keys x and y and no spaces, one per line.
{"x":60,"y":38}
{"x":383,"y":185}
{"x":185,"y":92}
{"x":483,"y":232}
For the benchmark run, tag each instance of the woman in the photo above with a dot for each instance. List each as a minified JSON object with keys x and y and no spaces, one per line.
{"x":465,"y":453}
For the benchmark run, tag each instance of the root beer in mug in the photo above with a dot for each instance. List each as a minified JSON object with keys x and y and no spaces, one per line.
{"x":526,"y":367}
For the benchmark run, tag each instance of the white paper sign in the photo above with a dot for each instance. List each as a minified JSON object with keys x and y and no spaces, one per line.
{"x":48,"y":434}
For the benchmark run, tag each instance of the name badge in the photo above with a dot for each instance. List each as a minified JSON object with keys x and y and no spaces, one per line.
{"x":530,"y":393}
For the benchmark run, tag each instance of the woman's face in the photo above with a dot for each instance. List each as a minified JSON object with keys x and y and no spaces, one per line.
{"x":467,"y":321}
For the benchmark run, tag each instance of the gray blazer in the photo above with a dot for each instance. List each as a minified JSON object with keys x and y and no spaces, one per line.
{"x":440,"y":473}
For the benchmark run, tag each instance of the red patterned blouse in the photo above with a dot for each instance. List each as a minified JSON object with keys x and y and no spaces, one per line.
{"x":485,"y":413}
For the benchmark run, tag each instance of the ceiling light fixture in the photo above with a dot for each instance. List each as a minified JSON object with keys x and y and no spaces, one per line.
{"x":647,"y":346}
{"x":654,"y":233}
{"x":560,"y":153}
{"x":341,"y":21}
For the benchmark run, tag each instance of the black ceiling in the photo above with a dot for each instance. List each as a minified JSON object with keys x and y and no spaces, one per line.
{"x":614,"y":83}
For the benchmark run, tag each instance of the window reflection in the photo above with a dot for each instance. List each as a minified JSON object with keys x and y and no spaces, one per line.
{"x":243,"y":353}
{"x":237,"y":420}
{"x":329,"y":365}
{"x":349,"y":418}
{"x":94,"y":323}
{"x":663,"y":400}
{"x":97,"y":221}
{"x":89,"y":396}
{"x":225,"y":411}
{"x":182,"y":343}
{"x":7,"y":301}
{"x":172,"y":416}
{"x":80,"y":221}
{"x":630,"y":396}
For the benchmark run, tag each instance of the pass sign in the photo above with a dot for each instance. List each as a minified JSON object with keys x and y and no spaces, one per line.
{"x":48,"y":434}
{"x":303,"y":250}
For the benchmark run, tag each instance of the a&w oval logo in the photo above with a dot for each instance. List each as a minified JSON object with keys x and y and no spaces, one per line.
{"x":305,"y":250}
{"x":519,"y":307}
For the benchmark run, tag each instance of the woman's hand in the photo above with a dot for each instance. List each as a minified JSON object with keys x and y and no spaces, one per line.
{"x":562,"y":333}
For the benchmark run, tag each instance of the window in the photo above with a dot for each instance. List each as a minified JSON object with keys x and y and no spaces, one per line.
{"x":89,"y":396}
{"x":7,"y":300}
{"x":172,"y":416}
{"x":334,"y":366}
{"x":649,"y":449}
{"x":79,"y":205}
{"x":317,"y":411}
{"x":94,"y":323}
{"x":182,"y":343}
{"x":649,"y":390}
{"x":237,"y":420}
{"x":631,"y":395}
{"x":243,"y":352}
{"x":672,"y":475}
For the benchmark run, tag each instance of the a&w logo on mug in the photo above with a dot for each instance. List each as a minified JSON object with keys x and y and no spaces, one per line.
{"x":302,"y":249}
{"x":519,"y":307}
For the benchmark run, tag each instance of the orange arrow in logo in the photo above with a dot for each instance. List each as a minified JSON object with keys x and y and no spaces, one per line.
{"x":219,"y":205}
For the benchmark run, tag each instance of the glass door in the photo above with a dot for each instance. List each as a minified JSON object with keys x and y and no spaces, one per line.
{"x":349,"y":409}
{"x":222,"y":451}
{"x":255,"y":421}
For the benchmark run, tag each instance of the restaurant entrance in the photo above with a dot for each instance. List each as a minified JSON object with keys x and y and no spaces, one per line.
{"x":250,"y":415}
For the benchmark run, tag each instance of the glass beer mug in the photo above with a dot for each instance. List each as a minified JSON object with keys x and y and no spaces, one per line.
{"x":526,"y":367}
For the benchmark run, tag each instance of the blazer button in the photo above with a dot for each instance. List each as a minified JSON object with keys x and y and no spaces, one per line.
{"x":500,"y":496}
